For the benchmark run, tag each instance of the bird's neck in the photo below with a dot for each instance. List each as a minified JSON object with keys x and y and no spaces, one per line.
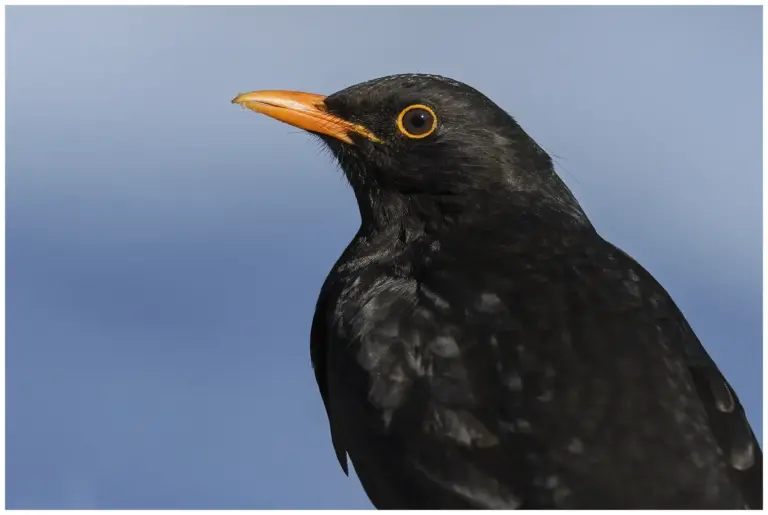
{"x":405,"y":243}
{"x":410,"y":216}
{"x":402,"y":231}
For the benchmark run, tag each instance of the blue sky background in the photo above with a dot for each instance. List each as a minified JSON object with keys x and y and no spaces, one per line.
{"x":165,"y":248}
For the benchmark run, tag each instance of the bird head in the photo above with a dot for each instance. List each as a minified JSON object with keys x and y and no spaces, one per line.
{"x":423,"y":146}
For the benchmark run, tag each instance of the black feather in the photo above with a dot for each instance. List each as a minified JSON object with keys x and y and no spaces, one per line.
{"x":479,"y":345}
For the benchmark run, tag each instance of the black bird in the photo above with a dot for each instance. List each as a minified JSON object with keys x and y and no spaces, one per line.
{"x":479,"y":344}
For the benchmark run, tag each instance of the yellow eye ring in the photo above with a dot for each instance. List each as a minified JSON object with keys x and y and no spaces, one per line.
{"x":417,"y":121}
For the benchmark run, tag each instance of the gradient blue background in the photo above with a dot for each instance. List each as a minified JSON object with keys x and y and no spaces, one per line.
{"x":165,"y":248}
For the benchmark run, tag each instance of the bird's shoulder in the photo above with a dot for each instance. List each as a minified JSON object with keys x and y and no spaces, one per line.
{"x":726,"y":419}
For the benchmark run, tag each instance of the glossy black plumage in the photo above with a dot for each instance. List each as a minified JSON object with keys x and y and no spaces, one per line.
{"x":479,"y":345}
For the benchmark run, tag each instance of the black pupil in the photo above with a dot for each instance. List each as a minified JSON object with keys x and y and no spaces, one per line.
{"x":418,"y":121}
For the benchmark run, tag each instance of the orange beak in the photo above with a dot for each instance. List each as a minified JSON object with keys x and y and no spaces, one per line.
{"x":303,"y":110}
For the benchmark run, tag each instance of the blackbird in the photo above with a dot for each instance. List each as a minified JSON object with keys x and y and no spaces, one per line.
{"x":479,"y":345}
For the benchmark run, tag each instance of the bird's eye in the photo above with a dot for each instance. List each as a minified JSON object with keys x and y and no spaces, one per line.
{"x":417,"y":121}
